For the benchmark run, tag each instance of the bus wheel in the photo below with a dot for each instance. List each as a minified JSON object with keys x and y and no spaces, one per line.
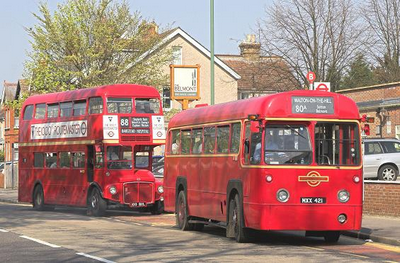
{"x":332,"y":236}
{"x":38,"y":198}
{"x":235,"y":219}
{"x":182,"y":219}
{"x":157,"y":208}
{"x":387,"y":173}
{"x":96,"y":204}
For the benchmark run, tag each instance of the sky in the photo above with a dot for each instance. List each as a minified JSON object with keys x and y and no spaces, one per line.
{"x":234,"y":19}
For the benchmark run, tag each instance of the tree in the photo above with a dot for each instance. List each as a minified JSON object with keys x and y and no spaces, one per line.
{"x":316,"y":35}
{"x":87,"y":43}
{"x":383,"y":19}
{"x":359,"y":74}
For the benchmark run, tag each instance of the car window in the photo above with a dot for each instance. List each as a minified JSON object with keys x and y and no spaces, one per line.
{"x":372,"y":148}
{"x":391,"y":147}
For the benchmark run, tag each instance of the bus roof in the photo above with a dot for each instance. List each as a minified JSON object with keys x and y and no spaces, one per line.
{"x":277,"y":105}
{"x":107,"y":90}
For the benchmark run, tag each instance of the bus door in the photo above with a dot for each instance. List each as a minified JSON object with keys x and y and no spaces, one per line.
{"x":77,"y":179}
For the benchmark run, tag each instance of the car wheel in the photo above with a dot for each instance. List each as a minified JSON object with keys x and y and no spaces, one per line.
{"x":388,"y":173}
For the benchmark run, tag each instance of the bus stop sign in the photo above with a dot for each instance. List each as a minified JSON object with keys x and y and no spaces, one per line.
{"x":322,"y":86}
{"x":311,"y":77}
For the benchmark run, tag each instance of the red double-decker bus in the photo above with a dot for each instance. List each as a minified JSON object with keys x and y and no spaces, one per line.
{"x":288,"y":161}
{"x":91,"y":148}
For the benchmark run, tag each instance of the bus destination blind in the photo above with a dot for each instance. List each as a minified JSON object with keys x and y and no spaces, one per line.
{"x":313,"y":105}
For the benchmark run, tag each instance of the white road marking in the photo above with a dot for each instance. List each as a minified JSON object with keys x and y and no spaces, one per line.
{"x":40,"y":242}
{"x":96,"y":258}
{"x":3,"y":230}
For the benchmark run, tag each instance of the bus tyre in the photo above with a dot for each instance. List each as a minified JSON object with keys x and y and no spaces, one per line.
{"x":96,"y":204}
{"x":235,"y":227}
{"x":182,"y":218}
{"x":38,"y":198}
{"x":388,"y":173}
{"x":332,"y":236}
{"x":157,"y":208}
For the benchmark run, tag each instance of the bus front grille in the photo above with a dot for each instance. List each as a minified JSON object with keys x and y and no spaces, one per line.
{"x":138,"y":192}
{"x":136,"y":138}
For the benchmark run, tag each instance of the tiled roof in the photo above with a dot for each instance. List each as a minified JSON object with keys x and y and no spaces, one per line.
{"x":266,"y":74}
{"x":9,"y":90}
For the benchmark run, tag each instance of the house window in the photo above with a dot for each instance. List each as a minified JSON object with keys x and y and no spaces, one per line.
{"x":16,"y":122}
{"x":8,"y":117}
{"x":177,"y":55}
{"x":166,"y":98}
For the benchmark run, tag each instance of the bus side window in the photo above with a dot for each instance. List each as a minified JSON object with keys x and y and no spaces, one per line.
{"x":175,"y":141}
{"x":255,"y":148}
{"x":95,"y":105}
{"x":40,"y":111}
{"x":28,"y":112}
{"x":38,"y":160}
{"x":247,"y":144}
{"x":197,"y":141}
{"x":78,"y":160}
{"x":235,"y":138}
{"x":65,"y":109}
{"x":222,"y":139}
{"x":209,"y":140}
{"x":65,"y":159}
{"x":186,"y":139}
{"x":79,"y":108}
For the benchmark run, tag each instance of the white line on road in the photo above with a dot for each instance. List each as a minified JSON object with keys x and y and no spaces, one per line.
{"x":40,"y":241}
{"x":96,"y":258}
{"x":3,"y":230}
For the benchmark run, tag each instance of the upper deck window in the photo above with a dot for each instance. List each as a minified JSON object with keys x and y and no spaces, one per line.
{"x":40,"y":111}
{"x":66,"y":108}
{"x":52,"y":110}
{"x":95,"y":105}
{"x":119,"y":105}
{"x":147,"y":105}
{"x":79,"y":108}
{"x":28,"y":112}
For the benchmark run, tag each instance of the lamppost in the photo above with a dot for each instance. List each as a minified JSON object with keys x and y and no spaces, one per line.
{"x":212,"y":50}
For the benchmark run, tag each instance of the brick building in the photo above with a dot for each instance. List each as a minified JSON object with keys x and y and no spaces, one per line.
{"x":11,"y":92}
{"x":381,"y":102}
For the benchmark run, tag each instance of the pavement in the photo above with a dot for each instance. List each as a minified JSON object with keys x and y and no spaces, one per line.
{"x":374,"y":228}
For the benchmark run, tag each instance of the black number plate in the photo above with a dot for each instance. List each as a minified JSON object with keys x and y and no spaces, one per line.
{"x":313,"y":200}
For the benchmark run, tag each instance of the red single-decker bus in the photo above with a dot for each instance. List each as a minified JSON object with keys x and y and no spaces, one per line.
{"x":287,"y":161}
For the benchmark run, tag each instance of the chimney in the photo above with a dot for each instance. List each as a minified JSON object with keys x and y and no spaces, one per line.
{"x":249,"y":48}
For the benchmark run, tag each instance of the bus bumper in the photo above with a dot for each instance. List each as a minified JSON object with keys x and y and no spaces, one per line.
{"x":302,"y":217}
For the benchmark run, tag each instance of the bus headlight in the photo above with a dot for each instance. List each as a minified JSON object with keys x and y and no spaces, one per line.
{"x":113,"y":190}
{"x":160,"y":189}
{"x":282,"y":195}
{"x":343,"y":196}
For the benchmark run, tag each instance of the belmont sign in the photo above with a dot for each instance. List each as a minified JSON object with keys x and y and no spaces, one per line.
{"x":56,"y":130}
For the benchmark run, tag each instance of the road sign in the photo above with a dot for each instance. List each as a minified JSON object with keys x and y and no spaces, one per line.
{"x":322,"y":86}
{"x":311,"y":77}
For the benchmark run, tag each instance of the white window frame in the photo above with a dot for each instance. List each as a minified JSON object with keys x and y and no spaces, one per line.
{"x":165,"y":97}
{"x":177,"y":55}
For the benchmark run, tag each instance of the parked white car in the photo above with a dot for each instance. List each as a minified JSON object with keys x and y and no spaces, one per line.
{"x":381,"y":159}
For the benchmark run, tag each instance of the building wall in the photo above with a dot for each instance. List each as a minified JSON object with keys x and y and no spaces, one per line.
{"x":225,"y":85}
{"x":10,"y":137}
{"x":382,"y":199}
{"x":388,"y":116}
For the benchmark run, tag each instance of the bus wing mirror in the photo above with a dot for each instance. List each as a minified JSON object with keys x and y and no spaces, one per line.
{"x":255,"y":127}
